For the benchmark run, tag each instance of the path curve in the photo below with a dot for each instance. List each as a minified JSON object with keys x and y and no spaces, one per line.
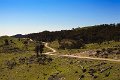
{"x":73,"y":56}
{"x":49,"y":53}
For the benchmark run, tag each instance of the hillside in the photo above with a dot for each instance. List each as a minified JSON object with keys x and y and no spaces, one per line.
{"x":90,"y":34}
{"x":53,"y":67}
{"x":29,"y":67}
{"x":88,"y":53}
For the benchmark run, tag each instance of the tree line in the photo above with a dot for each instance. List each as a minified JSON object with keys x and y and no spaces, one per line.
{"x":80,"y":35}
{"x":90,"y":34}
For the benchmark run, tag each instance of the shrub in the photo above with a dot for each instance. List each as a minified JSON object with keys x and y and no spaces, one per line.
{"x":11,"y":64}
{"x":6,"y":42}
{"x":70,"y":44}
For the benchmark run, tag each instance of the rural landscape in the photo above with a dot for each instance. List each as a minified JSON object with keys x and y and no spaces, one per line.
{"x":59,"y":40}
{"x":88,"y":53}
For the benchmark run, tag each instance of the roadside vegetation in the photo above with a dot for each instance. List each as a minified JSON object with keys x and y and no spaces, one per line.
{"x":109,"y":49}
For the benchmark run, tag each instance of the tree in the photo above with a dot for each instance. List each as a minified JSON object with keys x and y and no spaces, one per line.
{"x":26,"y":43}
{"x":6,"y":42}
{"x":39,"y":48}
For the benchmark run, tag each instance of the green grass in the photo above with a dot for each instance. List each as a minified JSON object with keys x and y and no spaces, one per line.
{"x":12,"y":45}
{"x":18,"y":44}
{"x":67,"y":68}
{"x":111,"y":44}
{"x":46,"y":50}
{"x":60,"y":67}
{"x":87,"y":47}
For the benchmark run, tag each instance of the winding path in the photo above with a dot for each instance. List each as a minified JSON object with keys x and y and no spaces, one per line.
{"x":73,"y":56}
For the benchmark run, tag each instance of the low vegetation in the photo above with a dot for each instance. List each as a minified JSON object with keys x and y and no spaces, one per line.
{"x":28,"y":67}
{"x":15,"y":45}
{"x":70,"y":44}
{"x":109,"y":49}
{"x":18,"y":45}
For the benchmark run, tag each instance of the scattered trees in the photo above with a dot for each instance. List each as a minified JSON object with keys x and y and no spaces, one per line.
{"x":91,"y":34}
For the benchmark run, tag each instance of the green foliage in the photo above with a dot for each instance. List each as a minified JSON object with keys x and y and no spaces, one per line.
{"x":71,"y":44}
{"x":39,"y":49}
{"x":6,"y":42}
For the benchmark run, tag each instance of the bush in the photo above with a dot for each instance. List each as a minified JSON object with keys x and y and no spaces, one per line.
{"x":70,"y":44}
{"x":6,"y":42}
{"x":11,"y":64}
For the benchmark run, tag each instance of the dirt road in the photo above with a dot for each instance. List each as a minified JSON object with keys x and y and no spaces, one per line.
{"x":73,"y":56}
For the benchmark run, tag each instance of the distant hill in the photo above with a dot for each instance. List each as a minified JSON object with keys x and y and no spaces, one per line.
{"x":90,"y":34}
{"x":19,"y":36}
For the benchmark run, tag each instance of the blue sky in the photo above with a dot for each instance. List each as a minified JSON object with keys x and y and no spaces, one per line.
{"x":28,"y":16}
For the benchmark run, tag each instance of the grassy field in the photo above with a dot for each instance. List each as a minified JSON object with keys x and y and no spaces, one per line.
{"x":26,"y":66}
{"x":17,"y":45}
{"x":58,"y":69}
{"x":89,"y":48}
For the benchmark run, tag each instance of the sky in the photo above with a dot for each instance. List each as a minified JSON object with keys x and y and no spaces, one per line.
{"x":32,"y":16}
